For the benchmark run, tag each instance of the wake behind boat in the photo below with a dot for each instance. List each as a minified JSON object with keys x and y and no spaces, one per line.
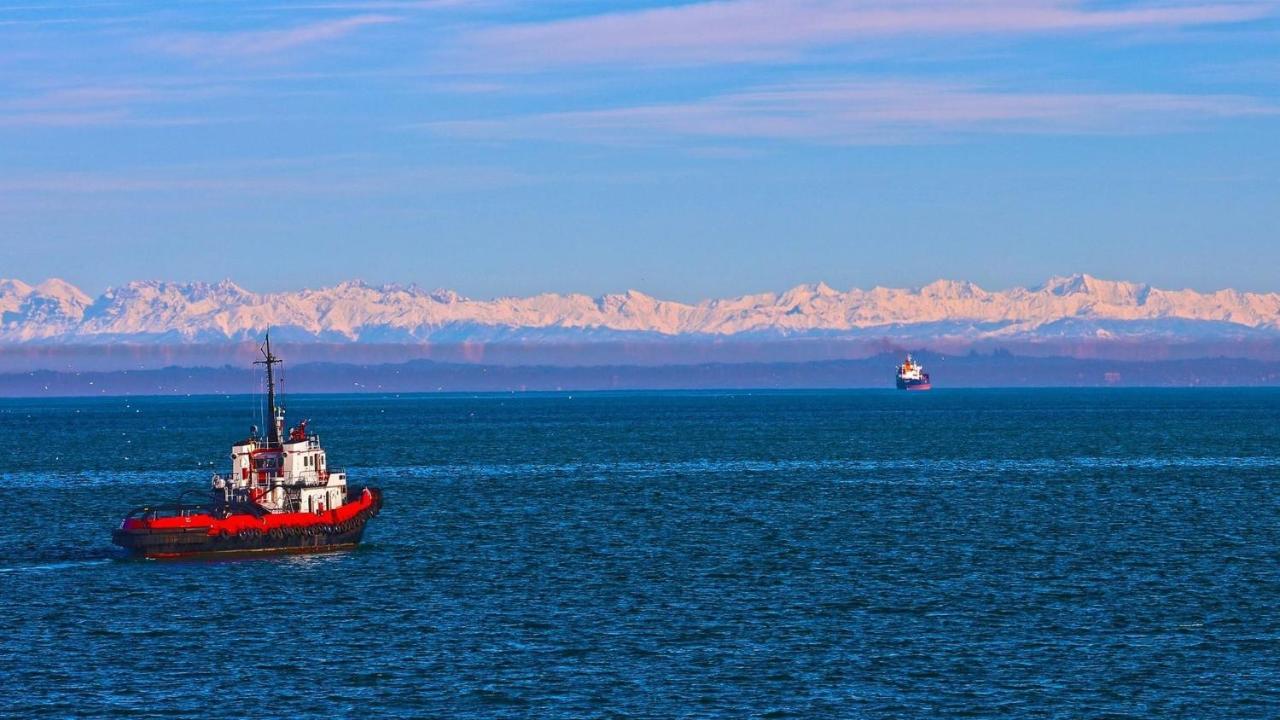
{"x":281,"y":496}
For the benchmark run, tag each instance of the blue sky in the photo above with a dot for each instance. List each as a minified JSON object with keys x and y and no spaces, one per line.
{"x":687,"y":149}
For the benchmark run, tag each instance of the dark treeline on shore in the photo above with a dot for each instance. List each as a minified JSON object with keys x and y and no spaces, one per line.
{"x":999,"y":370}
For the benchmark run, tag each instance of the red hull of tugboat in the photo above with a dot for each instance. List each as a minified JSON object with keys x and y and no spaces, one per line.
{"x":205,"y":535}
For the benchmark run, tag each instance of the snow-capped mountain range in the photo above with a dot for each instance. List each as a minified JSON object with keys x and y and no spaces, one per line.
{"x":1082,"y":306}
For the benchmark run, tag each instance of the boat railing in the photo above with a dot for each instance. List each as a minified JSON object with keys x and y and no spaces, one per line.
{"x":165,"y":510}
{"x":309,"y":480}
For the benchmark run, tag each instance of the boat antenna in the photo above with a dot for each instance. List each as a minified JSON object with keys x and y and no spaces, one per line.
{"x":273,"y":424}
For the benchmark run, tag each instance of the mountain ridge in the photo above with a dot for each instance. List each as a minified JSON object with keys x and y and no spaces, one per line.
{"x":1081,"y":305}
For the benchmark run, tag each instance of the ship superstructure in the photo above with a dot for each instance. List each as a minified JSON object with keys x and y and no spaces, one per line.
{"x":280,"y":496}
{"x":911,"y":376}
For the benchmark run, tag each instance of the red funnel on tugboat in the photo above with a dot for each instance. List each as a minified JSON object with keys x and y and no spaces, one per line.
{"x":281,"y":496}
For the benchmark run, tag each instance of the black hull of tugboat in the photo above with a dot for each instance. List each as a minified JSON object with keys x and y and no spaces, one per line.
{"x":198,"y":543}
{"x":177,"y":544}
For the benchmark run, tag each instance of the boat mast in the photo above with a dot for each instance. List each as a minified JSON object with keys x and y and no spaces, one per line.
{"x":273,"y":420}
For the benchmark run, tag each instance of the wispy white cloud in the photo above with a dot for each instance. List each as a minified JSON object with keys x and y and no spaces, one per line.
{"x":738,"y":30}
{"x":316,"y":177}
{"x":82,"y":96}
{"x":251,"y":44}
{"x":83,"y":106}
{"x":106,"y":118}
{"x":391,"y":5}
{"x":870,"y":112}
{"x":82,"y":119}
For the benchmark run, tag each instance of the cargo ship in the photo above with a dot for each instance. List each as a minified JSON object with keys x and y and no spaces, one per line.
{"x":911,"y":376}
{"x":281,"y":496}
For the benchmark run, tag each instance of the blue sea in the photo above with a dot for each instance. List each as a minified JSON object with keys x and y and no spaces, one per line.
{"x":863,"y":554}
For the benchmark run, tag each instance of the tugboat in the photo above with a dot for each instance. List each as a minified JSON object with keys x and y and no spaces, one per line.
{"x":911,"y":376}
{"x":280,"y":497}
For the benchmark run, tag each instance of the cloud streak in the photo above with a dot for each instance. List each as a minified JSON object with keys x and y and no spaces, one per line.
{"x":855,"y":112}
{"x":89,"y":106}
{"x":253,"y":44}
{"x":302,"y":178}
{"x":744,"y":30}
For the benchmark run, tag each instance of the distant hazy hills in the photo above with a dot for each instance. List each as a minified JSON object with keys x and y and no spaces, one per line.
{"x":1064,"y":308}
{"x":998,"y":370}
